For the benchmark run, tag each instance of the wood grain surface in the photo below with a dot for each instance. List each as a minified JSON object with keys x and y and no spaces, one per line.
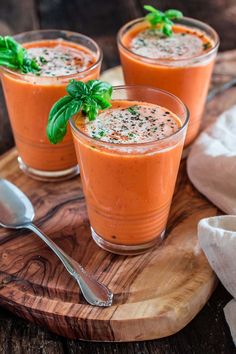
{"x":155,"y":294}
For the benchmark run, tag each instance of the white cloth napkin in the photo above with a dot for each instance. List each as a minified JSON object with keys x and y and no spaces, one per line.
{"x":211,"y":167}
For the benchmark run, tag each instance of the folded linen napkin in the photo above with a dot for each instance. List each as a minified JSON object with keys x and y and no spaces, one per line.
{"x":211,"y":167}
{"x":211,"y":164}
{"x":217,"y":238}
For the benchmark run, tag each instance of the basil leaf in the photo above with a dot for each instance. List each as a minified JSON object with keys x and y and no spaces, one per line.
{"x":152,"y":9}
{"x":168,"y":22}
{"x":173,"y":14}
{"x":88,"y":97}
{"x":162,"y":19}
{"x":77,"y":89}
{"x":90,"y":108}
{"x":154,"y":19}
{"x":102,"y":92}
{"x":99,"y":87}
{"x":13,"y":52}
{"x":7,"y":64}
{"x":102,"y":102}
{"x":59,"y":115}
{"x":167,"y":30}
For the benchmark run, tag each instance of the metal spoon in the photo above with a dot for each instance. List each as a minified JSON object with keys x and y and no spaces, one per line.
{"x":17,"y":212}
{"x":220,"y":89}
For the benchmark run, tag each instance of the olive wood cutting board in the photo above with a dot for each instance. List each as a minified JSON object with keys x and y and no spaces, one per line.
{"x":155,"y":294}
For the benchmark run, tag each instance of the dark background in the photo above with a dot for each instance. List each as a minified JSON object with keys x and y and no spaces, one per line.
{"x":101,"y":20}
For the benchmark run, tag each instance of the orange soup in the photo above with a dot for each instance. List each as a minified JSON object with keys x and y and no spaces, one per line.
{"x":128,"y":181}
{"x":181,"y":64}
{"x":30,"y":97}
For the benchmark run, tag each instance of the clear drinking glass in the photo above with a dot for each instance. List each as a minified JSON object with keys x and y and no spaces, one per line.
{"x":187,"y":78}
{"x":29,"y":99}
{"x":129,"y":187}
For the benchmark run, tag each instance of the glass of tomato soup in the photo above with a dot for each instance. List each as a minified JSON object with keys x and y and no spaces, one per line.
{"x":129,"y":159}
{"x":181,"y":64}
{"x":62,"y":56}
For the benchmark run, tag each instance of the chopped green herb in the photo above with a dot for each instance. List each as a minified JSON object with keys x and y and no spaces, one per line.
{"x":98,"y":136}
{"x":101,"y":133}
{"x":43,"y":60}
{"x":141,"y":42}
{"x":133,"y":109}
{"x":207,"y":45}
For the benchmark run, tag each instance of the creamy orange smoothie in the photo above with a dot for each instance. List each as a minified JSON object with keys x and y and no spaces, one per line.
{"x":181,"y":64}
{"x":129,"y":158}
{"x":29,"y":98}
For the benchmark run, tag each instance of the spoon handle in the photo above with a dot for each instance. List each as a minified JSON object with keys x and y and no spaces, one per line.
{"x":94,"y":292}
{"x":220,"y":89}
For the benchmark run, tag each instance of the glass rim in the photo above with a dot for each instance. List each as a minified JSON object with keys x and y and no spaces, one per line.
{"x":174,"y":60}
{"x":71,"y":76}
{"x":142,"y":144}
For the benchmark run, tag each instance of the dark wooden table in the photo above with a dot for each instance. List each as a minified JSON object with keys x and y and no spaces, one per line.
{"x":208,"y":332}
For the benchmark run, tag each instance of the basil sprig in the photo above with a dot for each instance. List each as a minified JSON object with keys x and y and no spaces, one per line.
{"x":15,"y":57}
{"x":90,"y":98}
{"x":162,"y":19}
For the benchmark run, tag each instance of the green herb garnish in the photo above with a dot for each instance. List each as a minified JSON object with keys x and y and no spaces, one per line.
{"x":89,"y":98}
{"x":43,"y":60}
{"x":133,"y":109}
{"x":15,"y":57}
{"x":206,"y":45}
{"x":162,"y":20}
{"x":101,"y":133}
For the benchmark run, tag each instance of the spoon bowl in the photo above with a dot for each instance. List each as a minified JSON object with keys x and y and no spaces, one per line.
{"x":15,"y":208}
